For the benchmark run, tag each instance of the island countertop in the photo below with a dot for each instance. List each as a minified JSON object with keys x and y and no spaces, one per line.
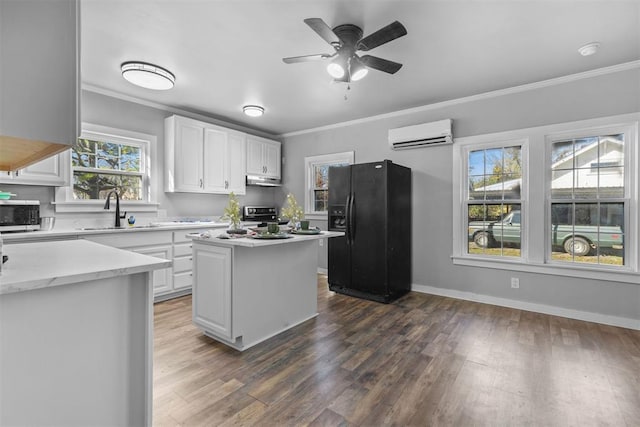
{"x":47,"y":264}
{"x":250,"y":242}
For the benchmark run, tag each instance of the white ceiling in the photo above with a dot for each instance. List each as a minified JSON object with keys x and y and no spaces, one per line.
{"x":228,"y":53}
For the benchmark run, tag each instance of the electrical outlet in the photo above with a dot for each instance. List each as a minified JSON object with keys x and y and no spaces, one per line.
{"x":321,"y":242}
{"x":515,"y":283}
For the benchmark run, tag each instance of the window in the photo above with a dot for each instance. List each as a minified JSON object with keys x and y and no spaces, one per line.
{"x":317,"y":181}
{"x":100,"y":167}
{"x":494,"y":200}
{"x":105,"y":159}
{"x":587,"y":199}
{"x":559,"y":199}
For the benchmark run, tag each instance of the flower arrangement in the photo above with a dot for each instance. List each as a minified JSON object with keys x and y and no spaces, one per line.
{"x":232,"y":212}
{"x":291,"y":210}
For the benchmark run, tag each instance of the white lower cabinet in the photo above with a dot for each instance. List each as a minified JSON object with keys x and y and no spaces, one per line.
{"x":160,"y":279}
{"x":212,"y":299}
{"x":183,"y":260}
{"x":154,"y":243}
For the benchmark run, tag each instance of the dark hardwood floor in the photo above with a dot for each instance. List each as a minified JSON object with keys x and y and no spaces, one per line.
{"x":423,"y":360}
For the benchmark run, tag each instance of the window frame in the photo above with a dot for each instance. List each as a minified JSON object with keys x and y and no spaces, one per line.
{"x":310,"y":162}
{"x":64,"y":201}
{"x":535,"y":240}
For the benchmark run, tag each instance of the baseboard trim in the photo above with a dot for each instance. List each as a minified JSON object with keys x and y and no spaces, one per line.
{"x":587,"y":316}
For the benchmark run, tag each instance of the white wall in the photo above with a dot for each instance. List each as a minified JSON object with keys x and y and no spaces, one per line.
{"x":598,"y":96}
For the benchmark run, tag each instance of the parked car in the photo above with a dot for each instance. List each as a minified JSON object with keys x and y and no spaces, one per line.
{"x":578,"y":240}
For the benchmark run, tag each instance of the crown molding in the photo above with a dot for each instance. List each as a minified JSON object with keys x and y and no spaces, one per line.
{"x":174,"y":110}
{"x":486,"y":95}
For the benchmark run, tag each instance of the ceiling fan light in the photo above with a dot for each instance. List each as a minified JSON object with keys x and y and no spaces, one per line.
{"x":148,"y":76}
{"x":253,"y":110}
{"x":335,"y":70}
{"x":357,"y":70}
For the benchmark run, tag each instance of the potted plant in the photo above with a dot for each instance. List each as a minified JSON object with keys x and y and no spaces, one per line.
{"x":292,"y":211}
{"x":232,"y":213}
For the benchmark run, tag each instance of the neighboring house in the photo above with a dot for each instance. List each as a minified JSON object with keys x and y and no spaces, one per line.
{"x":598,"y":164}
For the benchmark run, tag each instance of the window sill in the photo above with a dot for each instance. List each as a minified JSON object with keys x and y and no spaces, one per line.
{"x":586,"y":272}
{"x":97,"y":206}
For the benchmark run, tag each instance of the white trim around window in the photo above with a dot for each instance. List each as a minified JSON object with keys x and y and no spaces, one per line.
{"x":64,"y":201}
{"x":347,"y":157}
{"x":536,"y":200}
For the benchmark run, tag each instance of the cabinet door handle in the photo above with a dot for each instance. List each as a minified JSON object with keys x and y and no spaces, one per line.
{"x":200,"y":182}
{"x":226,"y":184}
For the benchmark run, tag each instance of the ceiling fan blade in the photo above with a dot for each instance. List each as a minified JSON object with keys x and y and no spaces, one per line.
{"x":380,"y":64}
{"x":382,"y":36}
{"x":306,"y":58}
{"x":323,"y":30}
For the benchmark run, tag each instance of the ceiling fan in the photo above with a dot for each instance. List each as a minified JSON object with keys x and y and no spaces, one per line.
{"x":346,"y":39}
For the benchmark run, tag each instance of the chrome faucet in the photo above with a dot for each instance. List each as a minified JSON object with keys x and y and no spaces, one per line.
{"x":107,"y":206}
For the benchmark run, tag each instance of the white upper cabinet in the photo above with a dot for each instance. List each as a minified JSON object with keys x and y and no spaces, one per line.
{"x":236,"y":162}
{"x":39,"y":80}
{"x":263,"y":157}
{"x":203,"y":158}
{"x":188,"y":166}
{"x":52,"y":171}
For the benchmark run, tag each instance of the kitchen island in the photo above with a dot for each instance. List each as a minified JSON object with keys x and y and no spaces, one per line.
{"x":248,"y":290}
{"x":76,"y":331}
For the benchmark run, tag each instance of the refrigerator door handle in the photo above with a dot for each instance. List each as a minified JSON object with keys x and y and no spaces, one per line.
{"x":350,"y":221}
{"x":347,"y":224}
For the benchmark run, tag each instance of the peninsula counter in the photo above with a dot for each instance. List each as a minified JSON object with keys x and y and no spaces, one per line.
{"x":76,"y":335}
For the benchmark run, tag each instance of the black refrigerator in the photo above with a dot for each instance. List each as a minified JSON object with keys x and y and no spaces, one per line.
{"x":371,"y":204}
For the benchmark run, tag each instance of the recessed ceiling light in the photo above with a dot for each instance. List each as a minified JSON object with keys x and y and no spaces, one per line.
{"x":253,"y":110}
{"x":148,"y":76}
{"x":589,"y":49}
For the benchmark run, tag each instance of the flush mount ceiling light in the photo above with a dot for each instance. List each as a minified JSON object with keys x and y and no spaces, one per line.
{"x":589,"y":49}
{"x":148,"y":76}
{"x":253,"y":110}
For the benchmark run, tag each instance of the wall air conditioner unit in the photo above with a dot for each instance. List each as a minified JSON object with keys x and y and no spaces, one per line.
{"x":424,"y":135}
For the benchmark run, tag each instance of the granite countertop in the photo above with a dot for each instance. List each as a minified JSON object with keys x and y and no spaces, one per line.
{"x":39,"y":265}
{"x":256,"y":243}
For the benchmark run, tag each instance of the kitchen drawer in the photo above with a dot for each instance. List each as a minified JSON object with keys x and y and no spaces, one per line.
{"x":180,"y":236}
{"x":130,"y":239}
{"x":182,"y":281}
{"x":182,"y":264}
{"x":182,"y":249}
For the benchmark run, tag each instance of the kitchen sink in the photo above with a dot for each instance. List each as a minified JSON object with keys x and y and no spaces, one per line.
{"x":116,"y":228}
